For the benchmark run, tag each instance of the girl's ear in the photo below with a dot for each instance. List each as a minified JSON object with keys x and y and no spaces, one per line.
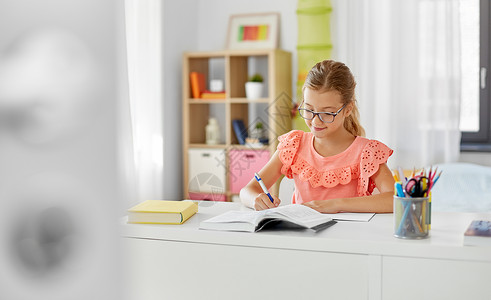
{"x":348,"y":109}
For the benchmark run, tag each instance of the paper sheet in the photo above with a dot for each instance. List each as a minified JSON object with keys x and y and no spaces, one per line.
{"x":356,"y":217}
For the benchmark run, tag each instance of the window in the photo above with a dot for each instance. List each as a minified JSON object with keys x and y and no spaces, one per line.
{"x":475,"y":118}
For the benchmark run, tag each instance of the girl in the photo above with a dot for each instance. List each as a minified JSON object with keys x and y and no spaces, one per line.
{"x":335,"y":169}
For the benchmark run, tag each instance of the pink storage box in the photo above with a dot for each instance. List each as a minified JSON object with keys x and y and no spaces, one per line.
{"x":242,"y":166}
{"x":208,"y":196}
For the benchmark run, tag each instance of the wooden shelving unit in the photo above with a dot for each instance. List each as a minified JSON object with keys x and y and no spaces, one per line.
{"x":237,"y":67}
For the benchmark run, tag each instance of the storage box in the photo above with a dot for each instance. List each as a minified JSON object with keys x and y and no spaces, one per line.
{"x":208,"y":196}
{"x":207,"y":171}
{"x":243,"y":165}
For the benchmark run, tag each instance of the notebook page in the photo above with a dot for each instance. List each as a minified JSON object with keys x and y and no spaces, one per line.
{"x":237,"y":216}
{"x":301,"y":214}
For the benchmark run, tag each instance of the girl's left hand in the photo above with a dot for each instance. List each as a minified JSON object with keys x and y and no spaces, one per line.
{"x":323,"y":206}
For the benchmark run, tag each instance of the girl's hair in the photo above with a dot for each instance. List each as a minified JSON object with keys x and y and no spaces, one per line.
{"x":330,"y":75}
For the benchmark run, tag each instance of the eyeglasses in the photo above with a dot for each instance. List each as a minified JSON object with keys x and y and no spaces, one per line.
{"x":326,"y":117}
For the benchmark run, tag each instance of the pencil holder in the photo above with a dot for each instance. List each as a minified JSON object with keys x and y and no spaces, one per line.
{"x":411,"y":217}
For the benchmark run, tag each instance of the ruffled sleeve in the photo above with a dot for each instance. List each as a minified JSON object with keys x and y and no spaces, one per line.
{"x":373,"y":155}
{"x":287,"y":149}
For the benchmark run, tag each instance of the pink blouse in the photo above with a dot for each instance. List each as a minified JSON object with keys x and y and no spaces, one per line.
{"x":343,"y":175}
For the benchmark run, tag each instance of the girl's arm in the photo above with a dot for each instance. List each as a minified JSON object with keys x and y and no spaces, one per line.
{"x":379,"y":203}
{"x":253,"y":196}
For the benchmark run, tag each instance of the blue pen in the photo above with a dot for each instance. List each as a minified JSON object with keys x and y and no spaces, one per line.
{"x":265,"y":189}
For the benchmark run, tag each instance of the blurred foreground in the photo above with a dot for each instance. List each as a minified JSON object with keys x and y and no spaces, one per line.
{"x":59,"y":75}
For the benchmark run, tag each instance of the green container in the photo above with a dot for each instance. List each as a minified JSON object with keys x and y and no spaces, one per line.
{"x":308,"y":57}
{"x":314,"y":22}
{"x":313,"y":29}
{"x":305,"y":5}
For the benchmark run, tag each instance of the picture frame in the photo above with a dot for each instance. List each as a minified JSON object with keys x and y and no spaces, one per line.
{"x":253,"y":31}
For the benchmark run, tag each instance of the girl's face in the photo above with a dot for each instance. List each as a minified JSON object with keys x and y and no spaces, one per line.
{"x":325,"y":102}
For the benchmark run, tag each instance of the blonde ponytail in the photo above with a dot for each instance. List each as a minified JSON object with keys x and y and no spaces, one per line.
{"x":352,"y":122}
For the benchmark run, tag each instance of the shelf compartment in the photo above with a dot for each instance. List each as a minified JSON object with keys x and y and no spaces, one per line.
{"x":197,"y":117}
{"x":211,"y":67}
{"x":242,"y":67}
{"x":279,"y":114}
{"x":238,"y":111}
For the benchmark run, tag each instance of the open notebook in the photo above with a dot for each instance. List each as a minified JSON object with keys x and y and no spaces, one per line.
{"x":294,"y":215}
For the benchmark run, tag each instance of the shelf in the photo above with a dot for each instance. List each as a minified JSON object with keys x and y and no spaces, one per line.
{"x":198,"y":145}
{"x":206,"y":101}
{"x":223,"y":53}
{"x":273,"y":109}
{"x":245,"y":100}
{"x":229,"y":147}
{"x":246,"y":147}
{"x":227,"y":100}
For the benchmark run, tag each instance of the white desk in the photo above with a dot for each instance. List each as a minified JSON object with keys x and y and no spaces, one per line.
{"x":350,"y":260}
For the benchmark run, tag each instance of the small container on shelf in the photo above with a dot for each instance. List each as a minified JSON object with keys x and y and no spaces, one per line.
{"x":212,"y":132}
{"x":254,"y":87}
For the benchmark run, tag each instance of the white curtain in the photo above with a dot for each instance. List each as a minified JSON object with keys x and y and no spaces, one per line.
{"x":405,"y":56}
{"x":144,"y":137}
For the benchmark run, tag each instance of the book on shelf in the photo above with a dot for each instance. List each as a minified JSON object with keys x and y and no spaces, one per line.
{"x":162,"y":212}
{"x":478,"y":233}
{"x":212,"y":95}
{"x":288,"y":216}
{"x":198,"y":85}
{"x":240,"y":131}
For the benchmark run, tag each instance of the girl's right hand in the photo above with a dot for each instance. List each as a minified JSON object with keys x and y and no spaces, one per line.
{"x":262,"y":202}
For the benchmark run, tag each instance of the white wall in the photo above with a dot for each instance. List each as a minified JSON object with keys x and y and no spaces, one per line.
{"x":180,"y":34}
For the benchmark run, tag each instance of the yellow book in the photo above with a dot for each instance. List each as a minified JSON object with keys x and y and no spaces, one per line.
{"x":162,"y":212}
{"x":213,"y":95}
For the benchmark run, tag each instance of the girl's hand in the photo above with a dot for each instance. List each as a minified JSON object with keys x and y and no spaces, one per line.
{"x":262,"y":202}
{"x":323,"y":206}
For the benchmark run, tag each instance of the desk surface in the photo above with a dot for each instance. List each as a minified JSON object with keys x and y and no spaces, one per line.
{"x":375,"y":237}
